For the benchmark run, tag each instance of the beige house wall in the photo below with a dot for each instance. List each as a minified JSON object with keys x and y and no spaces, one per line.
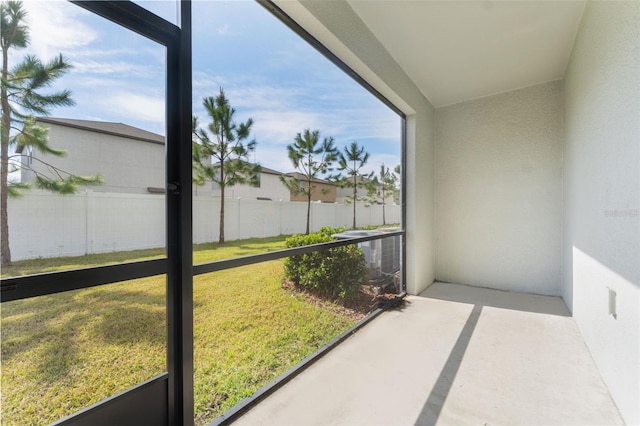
{"x":321,"y":192}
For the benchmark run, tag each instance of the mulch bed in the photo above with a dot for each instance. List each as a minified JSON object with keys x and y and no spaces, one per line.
{"x":369,"y":298}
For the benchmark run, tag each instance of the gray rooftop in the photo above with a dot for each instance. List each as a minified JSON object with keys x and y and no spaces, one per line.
{"x":110,"y":128}
{"x":303,"y":177}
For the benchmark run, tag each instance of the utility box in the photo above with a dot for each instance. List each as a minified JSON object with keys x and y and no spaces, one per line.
{"x":391,"y":249}
{"x":382,"y":256}
{"x":371,"y":249}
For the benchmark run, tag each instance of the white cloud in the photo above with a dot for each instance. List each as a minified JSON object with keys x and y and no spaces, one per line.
{"x":360,"y":124}
{"x":262,"y":96}
{"x":116,"y":67}
{"x":54,"y":28}
{"x":223,"y":30}
{"x":135,"y":107}
{"x":205,"y":83}
{"x":273,"y":157}
{"x":93,"y":52}
{"x":376,"y":160}
{"x":271,"y":107}
{"x":280,"y":127}
{"x":244,"y":92}
{"x":57,"y":26}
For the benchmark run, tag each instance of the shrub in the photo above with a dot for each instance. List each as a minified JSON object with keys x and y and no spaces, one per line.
{"x":368,"y":227}
{"x":335,"y":272}
{"x":329,"y":231}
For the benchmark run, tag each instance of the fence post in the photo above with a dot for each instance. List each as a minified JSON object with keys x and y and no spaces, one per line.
{"x":371,"y":216}
{"x":239,"y":237}
{"x":88,"y":220}
{"x":280,"y":217}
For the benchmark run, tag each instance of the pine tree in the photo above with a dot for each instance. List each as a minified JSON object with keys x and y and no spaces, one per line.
{"x":224,"y":141}
{"x":310,"y":158}
{"x":351,"y":162}
{"x":21,"y":97}
{"x":385,"y":184}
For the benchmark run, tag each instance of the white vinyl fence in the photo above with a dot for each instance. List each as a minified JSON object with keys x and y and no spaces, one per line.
{"x":48,"y":225}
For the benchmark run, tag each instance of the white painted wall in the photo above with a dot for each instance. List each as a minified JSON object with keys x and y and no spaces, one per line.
{"x":341,"y":30}
{"x":601,"y":247}
{"x":499,"y":190}
{"x":42,"y":224}
{"x":126,"y":165}
{"x":420,"y":226}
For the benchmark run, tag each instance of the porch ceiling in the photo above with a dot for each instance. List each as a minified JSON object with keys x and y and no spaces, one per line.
{"x":460,"y":50}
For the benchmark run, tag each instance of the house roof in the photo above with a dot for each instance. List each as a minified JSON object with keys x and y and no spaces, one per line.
{"x":302,"y":177}
{"x":106,"y":127}
{"x":263,"y":169}
{"x":296,"y":175}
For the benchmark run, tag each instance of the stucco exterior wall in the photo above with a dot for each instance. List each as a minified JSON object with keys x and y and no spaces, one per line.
{"x":126,"y":165}
{"x":323,"y":192}
{"x":601,"y":246}
{"x":499,"y":190}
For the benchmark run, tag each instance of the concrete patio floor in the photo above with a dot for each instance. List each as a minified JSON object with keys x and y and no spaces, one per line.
{"x":453,"y":355}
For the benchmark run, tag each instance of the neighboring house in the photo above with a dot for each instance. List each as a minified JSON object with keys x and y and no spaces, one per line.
{"x":343,"y":194}
{"x":390,"y":197}
{"x":129,"y":159}
{"x":270,"y":188}
{"x":322,"y":190}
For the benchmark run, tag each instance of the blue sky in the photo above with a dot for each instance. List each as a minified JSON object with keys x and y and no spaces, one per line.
{"x":267,"y":72}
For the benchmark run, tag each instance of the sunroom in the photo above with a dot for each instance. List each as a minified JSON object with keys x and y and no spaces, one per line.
{"x":520,"y":220}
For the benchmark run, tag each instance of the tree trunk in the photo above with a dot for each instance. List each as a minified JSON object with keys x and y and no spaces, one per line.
{"x":4,"y":217}
{"x":222,"y":187}
{"x":308,"y":207}
{"x":384,"y":222}
{"x":4,"y":169}
{"x":355,"y":199}
{"x":221,"y":232}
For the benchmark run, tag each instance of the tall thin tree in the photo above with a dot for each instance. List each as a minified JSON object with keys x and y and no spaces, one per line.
{"x":397,"y":172}
{"x":21,"y":97}
{"x":311,"y":158}
{"x":351,"y":163}
{"x":385,"y":184}
{"x":226,"y":142}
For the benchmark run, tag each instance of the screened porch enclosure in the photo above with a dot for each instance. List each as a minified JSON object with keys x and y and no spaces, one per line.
{"x":518,"y":280}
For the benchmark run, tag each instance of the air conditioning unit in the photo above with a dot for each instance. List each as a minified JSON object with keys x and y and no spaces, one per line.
{"x":391,"y":249}
{"x":382,"y":257}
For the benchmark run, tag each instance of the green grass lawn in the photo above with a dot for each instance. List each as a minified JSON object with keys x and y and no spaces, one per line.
{"x":63,"y":352}
{"x":201,"y":253}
